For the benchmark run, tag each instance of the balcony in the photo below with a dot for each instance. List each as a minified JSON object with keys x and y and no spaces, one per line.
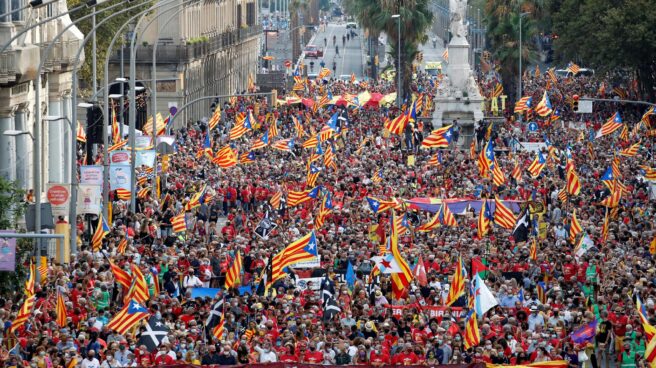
{"x":19,"y":63}
{"x":167,"y":53}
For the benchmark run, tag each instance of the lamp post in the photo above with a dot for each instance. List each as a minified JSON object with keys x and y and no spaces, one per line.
{"x":215,"y":97}
{"x":399,"y":93}
{"x":519,"y":86}
{"x":34,"y":4}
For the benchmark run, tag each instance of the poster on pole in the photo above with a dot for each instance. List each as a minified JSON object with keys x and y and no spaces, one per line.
{"x":119,"y":157}
{"x":7,"y":252}
{"x":120,"y":177}
{"x":91,"y":174}
{"x":59,"y":196}
{"x":145,"y":158}
{"x":89,"y":199}
{"x":142,"y":142}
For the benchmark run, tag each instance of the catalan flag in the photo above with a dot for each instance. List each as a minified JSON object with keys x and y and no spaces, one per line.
{"x":457,"y":283}
{"x":436,"y":159}
{"x":624,"y":134}
{"x":649,"y":329}
{"x":523,"y":104}
{"x":60,"y":310}
{"x":143,"y":192}
{"x":472,"y":336}
{"x":650,"y":174}
{"x":562,"y":194}
{"x":498,"y":90}
{"x":118,"y":145}
{"x":261,"y":142}
{"x":80,"y":134}
{"x":120,"y":275}
{"x":541,"y":290}
{"x":313,"y":175}
{"x":131,"y":314}
{"x":285,"y":145}
{"x":433,"y":223}
{"x":325,"y":209}
{"x":573,"y":68}
{"x":503,"y":216}
{"x":301,"y":250}
{"x":242,"y":126}
{"x":537,"y":165}
{"x":544,"y":107}
{"x":139,"y":288}
{"x":247,"y":157}
{"x":439,"y":138}
{"x":574,"y":228}
{"x":484,"y":219}
{"x":516,"y":172}
{"x":311,"y":142}
{"x":486,"y":159}
{"x":573,"y":182}
{"x":273,"y":129}
{"x":401,"y":280}
{"x":116,"y":133}
{"x":397,"y":125}
{"x":24,"y":313}
{"x":447,"y":216}
{"x":102,"y":229}
{"x":445,"y":55}
{"x":294,"y":198}
{"x":378,"y":176}
{"x":613,"y":200}
{"x":233,"y":276}
{"x":379,"y":205}
{"x":226,"y":157}
{"x":207,"y":147}
{"x":323,"y":73}
{"x":329,"y":158}
{"x":275,"y":200}
{"x":214,"y":120}
{"x":612,"y":124}
{"x":650,"y":352}
{"x":552,"y":75}
{"x":498,"y":177}
{"x":533,"y":254}
{"x":123,"y":194}
{"x":30,"y":283}
{"x":43,"y":269}
{"x":631,"y":151}
{"x":179,"y":224}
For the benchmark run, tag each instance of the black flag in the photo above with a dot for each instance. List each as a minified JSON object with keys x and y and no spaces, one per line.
{"x":327,"y":290}
{"x":520,"y":233}
{"x":155,"y":332}
{"x":215,"y":314}
{"x":331,"y":309}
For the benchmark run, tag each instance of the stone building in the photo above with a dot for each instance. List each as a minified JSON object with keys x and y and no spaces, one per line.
{"x":209,"y":48}
{"x":18,"y":64}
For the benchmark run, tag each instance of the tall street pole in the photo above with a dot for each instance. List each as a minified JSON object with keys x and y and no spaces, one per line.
{"x":399,"y":93}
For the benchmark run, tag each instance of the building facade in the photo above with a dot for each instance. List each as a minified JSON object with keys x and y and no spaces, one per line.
{"x":18,"y":71}
{"x":204,"y":48}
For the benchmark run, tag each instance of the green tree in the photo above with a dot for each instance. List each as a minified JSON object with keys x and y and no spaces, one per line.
{"x":376,"y":16}
{"x":502,"y":19}
{"x":608,"y":35}
{"x":104,"y":35}
{"x":12,"y":207}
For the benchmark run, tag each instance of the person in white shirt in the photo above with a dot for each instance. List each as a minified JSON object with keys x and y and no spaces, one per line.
{"x":266,"y":354}
{"x":191,"y":280}
{"x":90,"y":361}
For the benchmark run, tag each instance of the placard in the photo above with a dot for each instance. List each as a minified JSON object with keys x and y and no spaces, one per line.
{"x":89,"y":199}
{"x":91,"y":174}
{"x":533,"y":146}
{"x":59,"y":196}
{"x":7,"y":252}
{"x":145,"y":158}
{"x":142,"y":142}
{"x":120,"y":177}
{"x":316,"y":262}
{"x":119,"y":157}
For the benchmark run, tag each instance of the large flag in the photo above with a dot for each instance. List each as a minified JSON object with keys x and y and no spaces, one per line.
{"x":121,"y":276}
{"x":538,"y":164}
{"x":484,"y":299}
{"x":650,"y":174}
{"x":486,"y":159}
{"x":131,"y":314}
{"x":303,"y":249}
{"x":60,"y":310}
{"x":155,"y":332}
{"x":294,"y":198}
{"x":262,"y":142}
{"x":102,"y":229}
{"x":219,"y":329}
{"x":401,"y":280}
{"x":448,"y":219}
{"x":612,"y":124}
{"x":215,"y":314}
{"x":631,"y":151}
{"x":523,"y":104}
{"x":397,"y":125}
{"x":484,"y":219}
{"x":503,"y":216}
{"x":457,"y":283}
{"x":379,"y":205}
{"x":544,"y":107}
{"x":226,"y":157}
{"x":498,"y":177}
{"x":242,"y":125}
{"x":24,"y":313}
{"x":613,"y":200}
{"x":433,"y":223}
{"x":574,"y":228}
{"x":439,"y":138}
{"x":179,"y":223}
{"x":325,"y":209}
{"x":216,"y":117}
{"x":521,"y":230}
{"x":30,"y":283}
{"x":584,"y":333}
{"x":573,"y":182}
{"x":233,"y":276}
{"x":285,"y":145}
{"x":139,"y":288}
{"x":472,"y":334}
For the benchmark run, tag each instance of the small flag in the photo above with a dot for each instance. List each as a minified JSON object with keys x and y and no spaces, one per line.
{"x":128,"y":317}
{"x":61,"y":310}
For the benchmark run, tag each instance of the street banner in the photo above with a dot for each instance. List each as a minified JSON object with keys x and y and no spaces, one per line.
{"x":433,"y":311}
{"x":7,"y":252}
{"x":145,"y":158}
{"x":142,"y":142}
{"x":120,"y":177}
{"x":91,"y":174}
{"x":59,"y":196}
{"x":119,"y":157}
{"x":89,"y":199}
{"x":316,"y":262}
{"x":313,"y":283}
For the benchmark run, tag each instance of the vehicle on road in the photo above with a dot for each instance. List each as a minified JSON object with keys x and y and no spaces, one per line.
{"x":433,"y":68}
{"x":351,"y":25}
{"x":313,"y":51}
{"x":582,"y":72}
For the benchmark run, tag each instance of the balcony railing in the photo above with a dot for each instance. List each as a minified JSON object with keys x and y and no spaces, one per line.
{"x":187,"y":52}
{"x":16,"y":63}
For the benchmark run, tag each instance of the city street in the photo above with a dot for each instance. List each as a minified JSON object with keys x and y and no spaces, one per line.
{"x":349,"y":61}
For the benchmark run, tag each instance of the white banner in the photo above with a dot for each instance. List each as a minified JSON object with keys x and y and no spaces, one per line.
{"x":119,"y":157}
{"x":91,"y":174}
{"x":314,"y":283}
{"x":89,"y":199}
{"x":145,"y":158}
{"x":143,"y":141}
{"x":309,"y":264}
{"x":119,"y":177}
{"x":59,"y":196}
{"x":532,"y":146}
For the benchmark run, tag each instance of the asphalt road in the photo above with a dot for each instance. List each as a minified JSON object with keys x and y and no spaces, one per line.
{"x":349,"y":59}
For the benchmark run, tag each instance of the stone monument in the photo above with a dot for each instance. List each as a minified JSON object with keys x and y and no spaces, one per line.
{"x":458,"y":96}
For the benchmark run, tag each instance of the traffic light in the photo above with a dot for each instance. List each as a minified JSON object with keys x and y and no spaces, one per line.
{"x":575,"y":103}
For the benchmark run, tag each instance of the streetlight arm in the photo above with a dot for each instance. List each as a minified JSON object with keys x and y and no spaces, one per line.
{"x":213,"y":97}
{"x":34,"y":4}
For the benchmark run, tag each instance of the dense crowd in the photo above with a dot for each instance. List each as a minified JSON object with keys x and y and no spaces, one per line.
{"x":542,"y":298}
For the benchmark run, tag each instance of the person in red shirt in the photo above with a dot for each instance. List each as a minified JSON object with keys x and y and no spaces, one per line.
{"x":313,"y":356}
{"x":406,"y":357}
{"x":288,"y":355}
{"x":378,"y":356}
{"x":164,"y":357}
{"x":569,"y":269}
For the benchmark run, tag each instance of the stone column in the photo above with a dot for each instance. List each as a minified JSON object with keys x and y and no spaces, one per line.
{"x":23,"y":149}
{"x":54,"y":141}
{"x":7,"y":145}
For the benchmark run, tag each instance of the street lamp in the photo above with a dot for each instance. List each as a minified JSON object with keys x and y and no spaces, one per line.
{"x":398,"y":67}
{"x":519,"y":86}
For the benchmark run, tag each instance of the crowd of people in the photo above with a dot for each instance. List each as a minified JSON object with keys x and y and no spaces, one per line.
{"x":544,"y":294}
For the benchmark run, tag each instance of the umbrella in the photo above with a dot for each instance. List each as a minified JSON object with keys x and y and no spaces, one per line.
{"x":388,"y":99}
{"x":375,"y":99}
{"x":308,"y":102}
{"x":364,"y":98}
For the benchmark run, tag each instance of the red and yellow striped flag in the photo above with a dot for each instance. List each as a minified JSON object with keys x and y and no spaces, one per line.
{"x":24,"y":313}
{"x":60,"y":310}
{"x":233,"y":276}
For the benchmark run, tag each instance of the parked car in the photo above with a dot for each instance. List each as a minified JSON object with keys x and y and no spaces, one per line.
{"x":351,"y":25}
{"x":313,"y":51}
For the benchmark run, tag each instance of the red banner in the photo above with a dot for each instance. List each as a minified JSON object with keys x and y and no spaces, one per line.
{"x":303,"y":365}
{"x":435,"y":311}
